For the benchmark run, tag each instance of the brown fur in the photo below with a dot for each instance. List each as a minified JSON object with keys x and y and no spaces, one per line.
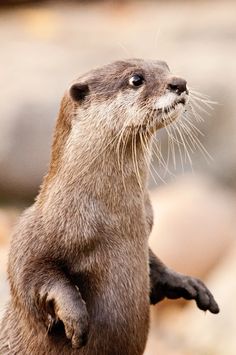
{"x":62,"y":131}
{"x":79,"y":261}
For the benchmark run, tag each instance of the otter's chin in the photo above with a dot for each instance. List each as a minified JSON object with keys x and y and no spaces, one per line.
{"x":171,"y":114}
{"x":166,"y":114}
{"x":163,"y":118}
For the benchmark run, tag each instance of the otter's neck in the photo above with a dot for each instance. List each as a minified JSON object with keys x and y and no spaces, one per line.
{"x":95,"y":166}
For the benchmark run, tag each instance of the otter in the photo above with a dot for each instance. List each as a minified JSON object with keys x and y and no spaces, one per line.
{"x":82,"y":276}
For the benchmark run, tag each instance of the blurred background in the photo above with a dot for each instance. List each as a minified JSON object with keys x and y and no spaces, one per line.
{"x":44,"y":45}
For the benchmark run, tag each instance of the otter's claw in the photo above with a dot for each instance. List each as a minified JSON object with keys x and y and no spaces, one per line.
{"x":174,"y":285}
{"x":76,"y":330}
{"x":71,"y":312}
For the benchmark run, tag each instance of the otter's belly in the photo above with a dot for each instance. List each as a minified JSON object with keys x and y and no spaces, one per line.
{"x":119,"y":306}
{"x":120,"y":326}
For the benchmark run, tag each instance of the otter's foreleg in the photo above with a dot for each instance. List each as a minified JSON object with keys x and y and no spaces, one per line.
{"x":166,"y":283}
{"x":56,"y":299}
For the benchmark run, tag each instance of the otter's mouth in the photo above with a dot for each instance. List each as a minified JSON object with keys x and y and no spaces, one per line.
{"x":165,"y":114}
{"x":171,"y":112}
{"x":170,"y":108}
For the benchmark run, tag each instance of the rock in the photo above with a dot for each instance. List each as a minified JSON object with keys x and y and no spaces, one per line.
{"x":189,"y":331}
{"x":214,"y":334}
{"x":194,"y":233}
{"x":194,"y":224}
{"x":8,"y":217}
{"x":4,"y":287}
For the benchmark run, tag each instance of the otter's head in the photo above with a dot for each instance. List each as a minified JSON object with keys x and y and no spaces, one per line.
{"x":133,"y":94}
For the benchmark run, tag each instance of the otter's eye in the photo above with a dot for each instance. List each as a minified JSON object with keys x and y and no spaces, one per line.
{"x":136,"y":80}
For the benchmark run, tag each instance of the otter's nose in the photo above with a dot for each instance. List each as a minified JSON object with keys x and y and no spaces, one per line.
{"x":178,"y":86}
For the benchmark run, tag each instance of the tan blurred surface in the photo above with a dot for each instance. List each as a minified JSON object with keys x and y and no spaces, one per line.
{"x":194,"y":233}
{"x":8,"y":217}
{"x":44,"y":47}
{"x":194,"y":224}
{"x":191,"y":332}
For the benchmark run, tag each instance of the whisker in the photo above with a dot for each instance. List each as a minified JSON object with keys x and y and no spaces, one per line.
{"x":199,"y":107}
{"x":152,"y":167}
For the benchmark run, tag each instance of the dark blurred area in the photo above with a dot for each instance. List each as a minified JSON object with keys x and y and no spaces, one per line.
{"x":10,"y":3}
{"x":44,"y":46}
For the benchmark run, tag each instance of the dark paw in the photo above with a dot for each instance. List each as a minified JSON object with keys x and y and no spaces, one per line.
{"x":174,"y":285}
{"x":76,"y":327}
{"x":70,"y":317}
{"x":76,"y":331}
{"x":203,"y":297}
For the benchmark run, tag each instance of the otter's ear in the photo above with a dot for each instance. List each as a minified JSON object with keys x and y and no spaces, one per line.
{"x":78,"y":91}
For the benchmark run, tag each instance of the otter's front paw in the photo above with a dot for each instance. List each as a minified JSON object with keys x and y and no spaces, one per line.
{"x":174,"y":285}
{"x":74,"y":316}
{"x":76,"y":324}
{"x":76,"y":328}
